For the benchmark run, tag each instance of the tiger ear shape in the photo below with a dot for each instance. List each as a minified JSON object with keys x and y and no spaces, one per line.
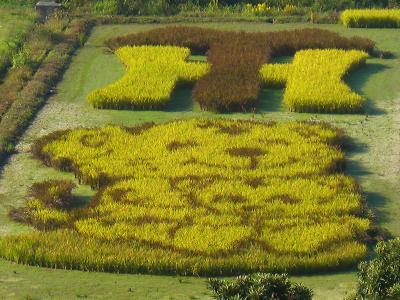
{"x":315,"y":81}
{"x":152,"y":73}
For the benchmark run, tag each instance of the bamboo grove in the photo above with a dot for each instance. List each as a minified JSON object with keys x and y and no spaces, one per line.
{"x":233,"y":82}
{"x":196,"y":197}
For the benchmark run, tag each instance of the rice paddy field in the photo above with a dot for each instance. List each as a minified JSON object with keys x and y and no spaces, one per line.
{"x":372,"y":159}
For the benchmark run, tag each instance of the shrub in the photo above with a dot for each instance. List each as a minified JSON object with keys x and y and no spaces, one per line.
{"x":371,"y":18}
{"x":379,"y":278}
{"x":152,"y":75}
{"x":234,"y":82}
{"x":259,"y":286}
{"x":201,"y":197}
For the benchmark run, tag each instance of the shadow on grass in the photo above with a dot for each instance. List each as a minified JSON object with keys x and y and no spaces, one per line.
{"x":358,"y":79}
{"x":354,"y":168}
{"x":376,"y":202}
{"x":282,"y":60}
{"x":81,"y":201}
{"x":181,"y":100}
{"x":271,"y":100}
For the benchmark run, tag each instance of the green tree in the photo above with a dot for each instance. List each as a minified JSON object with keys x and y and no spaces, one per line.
{"x":260,"y":286}
{"x":379,"y":279}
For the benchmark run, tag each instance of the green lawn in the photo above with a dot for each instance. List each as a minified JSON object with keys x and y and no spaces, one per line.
{"x":374,"y":160}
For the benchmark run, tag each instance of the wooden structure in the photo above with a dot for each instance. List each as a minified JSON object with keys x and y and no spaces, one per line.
{"x":46,"y":8}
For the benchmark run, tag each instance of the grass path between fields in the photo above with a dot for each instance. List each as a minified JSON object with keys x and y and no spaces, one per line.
{"x":374,"y":161}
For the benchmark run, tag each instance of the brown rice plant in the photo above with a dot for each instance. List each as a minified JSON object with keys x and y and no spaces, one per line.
{"x":200,"y":197}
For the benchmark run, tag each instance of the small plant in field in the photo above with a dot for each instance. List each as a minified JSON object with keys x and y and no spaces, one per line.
{"x":259,"y":286}
{"x":106,"y":7}
{"x":22,"y":58}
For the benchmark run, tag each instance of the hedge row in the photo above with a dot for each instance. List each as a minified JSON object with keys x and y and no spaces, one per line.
{"x":234,"y":83}
{"x":30,"y":95}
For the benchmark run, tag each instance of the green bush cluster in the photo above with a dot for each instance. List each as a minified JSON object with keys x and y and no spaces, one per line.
{"x":221,"y":7}
{"x":259,"y":286}
{"x":379,"y":278}
{"x":160,"y":6}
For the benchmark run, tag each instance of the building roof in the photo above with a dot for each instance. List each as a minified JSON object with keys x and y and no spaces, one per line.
{"x":48,"y":4}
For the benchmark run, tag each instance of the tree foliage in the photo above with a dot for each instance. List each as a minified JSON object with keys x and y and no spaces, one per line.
{"x":260,"y":286}
{"x":379,"y":278}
